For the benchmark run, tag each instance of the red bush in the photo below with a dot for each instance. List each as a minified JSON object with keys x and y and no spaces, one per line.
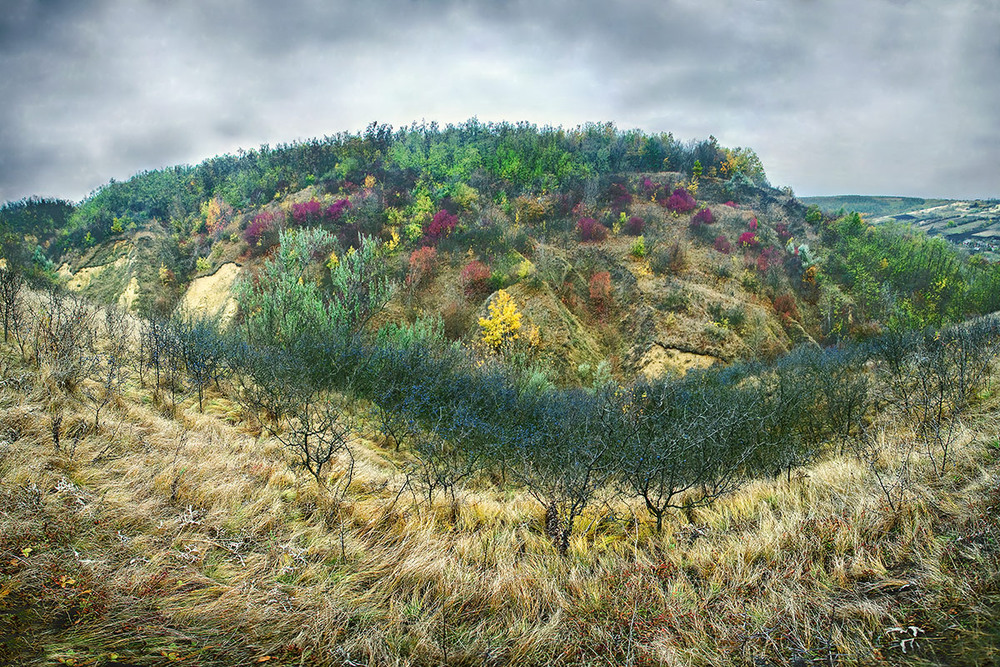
{"x":722,"y":244}
{"x":681,"y":201}
{"x":619,"y":197}
{"x":475,"y":279}
{"x":441,"y":225}
{"x":262,"y":232}
{"x":702,"y":217}
{"x":591,"y":230}
{"x":423,"y":262}
{"x":634,"y":226}
{"x":731,"y":204}
{"x":748,"y":239}
{"x":785,"y":307}
{"x":782,"y":231}
{"x":335,"y":210}
{"x":600,"y":293}
{"x":306,"y":212}
{"x":770,"y":257}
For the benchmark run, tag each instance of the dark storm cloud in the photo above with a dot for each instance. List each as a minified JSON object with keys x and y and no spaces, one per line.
{"x":836,"y":96}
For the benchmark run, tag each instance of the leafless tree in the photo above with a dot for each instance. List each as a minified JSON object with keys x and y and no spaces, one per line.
{"x":565,"y":458}
{"x":302,"y":415}
{"x":110,"y":369}
{"x":65,"y":337}
{"x":688,"y":442}
{"x":11,"y":284}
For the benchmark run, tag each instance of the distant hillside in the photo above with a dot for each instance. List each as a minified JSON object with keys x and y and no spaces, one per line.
{"x":973,"y":224}
{"x":874,"y":206}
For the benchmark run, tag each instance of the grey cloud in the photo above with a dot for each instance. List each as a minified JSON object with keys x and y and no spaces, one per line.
{"x":860,"y":96}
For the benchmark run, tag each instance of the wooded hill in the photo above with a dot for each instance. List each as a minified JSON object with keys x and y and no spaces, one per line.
{"x":636,"y":251}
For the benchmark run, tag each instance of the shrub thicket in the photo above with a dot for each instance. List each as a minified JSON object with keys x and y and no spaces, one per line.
{"x":300,"y":361}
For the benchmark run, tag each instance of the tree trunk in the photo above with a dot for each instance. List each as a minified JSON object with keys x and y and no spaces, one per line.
{"x":552,"y":523}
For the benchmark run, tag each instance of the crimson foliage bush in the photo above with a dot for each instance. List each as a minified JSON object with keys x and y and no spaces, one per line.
{"x":306,"y":212}
{"x":618,"y":196}
{"x":423,"y":261}
{"x":441,"y":225}
{"x":770,"y":257}
{"x":634,"y":226}
{"x":681,"y":201}
{"x":336,"y":210}
{"x":701,"y":218}
{"x":591,"y":230}
{"x":786,"y":308}
{"x":262,"y":232}
{"x":475,"y":279}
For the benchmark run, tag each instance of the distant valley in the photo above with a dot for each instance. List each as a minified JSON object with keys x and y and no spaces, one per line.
{"x":973,"y":224}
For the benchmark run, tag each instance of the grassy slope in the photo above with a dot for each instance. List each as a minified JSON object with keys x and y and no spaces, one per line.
{"x":190,"y":541}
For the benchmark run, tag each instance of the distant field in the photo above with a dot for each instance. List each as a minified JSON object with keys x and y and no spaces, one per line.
{"x":973,"y":224}
{"x":872,"y":205}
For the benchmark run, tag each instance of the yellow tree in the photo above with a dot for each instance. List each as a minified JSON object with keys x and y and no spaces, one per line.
{"x":743,"y":161}
{"x":217,"y":214}
{"x":503,"y":325}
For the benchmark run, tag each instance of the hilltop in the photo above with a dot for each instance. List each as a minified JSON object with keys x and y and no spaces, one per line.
{"x":505,"y":201}
{"x":636,"y":253}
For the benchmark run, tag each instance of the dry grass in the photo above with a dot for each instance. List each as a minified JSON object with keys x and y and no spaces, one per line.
{"x":191,"y":541}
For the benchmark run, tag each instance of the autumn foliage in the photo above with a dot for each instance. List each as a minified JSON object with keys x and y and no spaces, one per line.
{"x":748,"y":239}
{"x":600,"y":293}
{"x":618,"y":196}
{"x":591,"y":230}
{"x":306,"y":212}
{"x":681,"y":201}
{"x":781,"y":229}
{"x":336,"y":210}
{"x":312,"y":212}
{"x":475,"y":279}
{"x":769,"y":258}
{"x":423,"y":262}
{"x":217,"y":214}
{"x":635,"y":226}
{"x":262,"y":232}
{"x":441,"y":225}
{"x":503,"y":325}
{"x":702,"y":218}
{"x":786,"y":309}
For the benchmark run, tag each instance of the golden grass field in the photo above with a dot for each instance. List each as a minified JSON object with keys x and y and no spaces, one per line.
{"x":156,"y":540}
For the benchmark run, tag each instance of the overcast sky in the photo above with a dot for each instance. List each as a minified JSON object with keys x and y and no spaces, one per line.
{"x":836,"y":96}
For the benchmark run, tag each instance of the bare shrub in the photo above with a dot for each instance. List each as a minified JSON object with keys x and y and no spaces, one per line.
{"x":110,"y":370}
{"x":11,"y":285}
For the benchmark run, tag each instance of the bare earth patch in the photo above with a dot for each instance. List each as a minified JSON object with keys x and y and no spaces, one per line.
{"x":211,"y":296}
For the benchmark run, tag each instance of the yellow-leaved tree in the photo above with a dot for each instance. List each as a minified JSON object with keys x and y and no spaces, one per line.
{"x":217,"y":214}
{"x":503,"y":325}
